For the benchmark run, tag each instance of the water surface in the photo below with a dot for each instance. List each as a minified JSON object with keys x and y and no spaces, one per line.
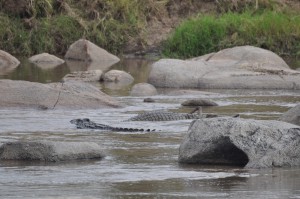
{"x":139,"y":164}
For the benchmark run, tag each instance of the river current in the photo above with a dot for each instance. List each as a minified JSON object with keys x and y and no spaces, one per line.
{"x":139,"y":164}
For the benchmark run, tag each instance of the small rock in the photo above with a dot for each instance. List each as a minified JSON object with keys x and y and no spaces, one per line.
{"x":85,"y":76}
{"x":117,"y":76}
{"x":199,"y":102}
{"x":46,"y":61}
{"x":143,"y":89}
{"x":149,"y":100}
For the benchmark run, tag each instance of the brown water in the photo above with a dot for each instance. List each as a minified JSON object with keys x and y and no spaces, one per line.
{"x":144,"y":164}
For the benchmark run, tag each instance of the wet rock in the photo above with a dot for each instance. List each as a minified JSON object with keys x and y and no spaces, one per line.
{"x":7,"y":62}
{"x":199,"y":102}
{"x":143,"y":89}
{"x":236,"y":141}
{"x":46,"y":61}
{"x":117,"y":76}
{"x":292,"y":116}
{"x":149,"y":100}
{"x":244,"y":67}
{"x":71,"y":95}
{"x":91,"y":55}
{"x":50,"y":151}
{"x":86,"y":76}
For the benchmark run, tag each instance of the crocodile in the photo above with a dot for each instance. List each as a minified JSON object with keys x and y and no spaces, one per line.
{"x":160,"y":115}
{"x":86,"y":123}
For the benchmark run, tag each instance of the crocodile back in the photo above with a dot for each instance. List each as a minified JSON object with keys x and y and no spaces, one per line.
{"x":162,"y":116}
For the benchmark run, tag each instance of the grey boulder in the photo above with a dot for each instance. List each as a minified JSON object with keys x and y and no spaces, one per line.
{"x":91,"y":56}
{"x":46,"y":61}
{"x":292,"y":116}
{"x":50,"y":151}
{"x":143,"y":89}
{"x":235,"y":141}
{"x":7,"y":62}
{"x":70,"y":94}
{"x":116,"y":79}
{"x":244,"y":67}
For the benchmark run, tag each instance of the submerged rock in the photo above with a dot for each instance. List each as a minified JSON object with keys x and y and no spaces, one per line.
{"x":292,"y":116}
{"x":50,"y":151}
{"x":46,"y":61}
{"x":92,"y":56}
{"x":244,"y":67}
{"x":235,"y":141}
{"x":70,"y":94}
{"x":86,"y":76}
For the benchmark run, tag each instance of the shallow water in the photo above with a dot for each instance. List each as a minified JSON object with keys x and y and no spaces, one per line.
{"x":141,"y":164}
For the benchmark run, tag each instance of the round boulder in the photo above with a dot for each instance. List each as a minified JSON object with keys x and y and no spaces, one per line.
{"x":46,"y":61}
{"x":117,"y":76}
{"x":143,"y":89}
{"x":199,"y":102}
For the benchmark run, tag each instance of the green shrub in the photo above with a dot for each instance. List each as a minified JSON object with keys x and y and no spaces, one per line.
{"x":276,"y":31}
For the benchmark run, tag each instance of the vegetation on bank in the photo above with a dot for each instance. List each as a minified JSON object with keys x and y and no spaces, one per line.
{"x":52,"y":25}
{"x":30,"y":27}
{"x":273,"y":30}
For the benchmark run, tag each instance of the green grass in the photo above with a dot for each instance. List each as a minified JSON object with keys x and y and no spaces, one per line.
{"x":276,"y":31}
{"x":52,"y":26}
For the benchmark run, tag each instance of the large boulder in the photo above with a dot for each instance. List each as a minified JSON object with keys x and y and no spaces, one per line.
{"x":50,"y":151}
{"x":70,"y":94}
{"x":90,"y":55}
{"x":7,"y":62}
{"x":292,"y":116}
{"x":244,"y":67}
{"x":46,"y":61}
{"x":143,"y":89}
{"x":86,"y":76}
{"x":235,"y":141}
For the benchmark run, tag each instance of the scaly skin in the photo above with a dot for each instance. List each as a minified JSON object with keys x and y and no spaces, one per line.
{"x":164,"y":116}
{"x":88,"y":124}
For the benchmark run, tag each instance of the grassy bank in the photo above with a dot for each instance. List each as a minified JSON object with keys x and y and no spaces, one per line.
{"x":273,"y":30}
{"x":29,"y":27}
{"x":51,"y":26}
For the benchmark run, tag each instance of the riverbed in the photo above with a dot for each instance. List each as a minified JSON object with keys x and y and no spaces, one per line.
{"x":138,"y":164}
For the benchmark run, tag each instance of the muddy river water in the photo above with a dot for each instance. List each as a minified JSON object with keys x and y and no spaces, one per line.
{"x":143,"y":164}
